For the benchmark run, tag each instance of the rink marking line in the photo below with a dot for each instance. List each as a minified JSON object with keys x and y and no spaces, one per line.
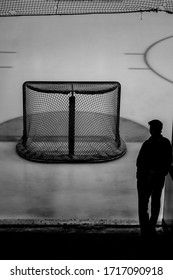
{"x":4,"y":67}
{"x":138,"y":68}
{"x":7,"y":52}
{"x":146,"y":59}
{"x":134,"y":53}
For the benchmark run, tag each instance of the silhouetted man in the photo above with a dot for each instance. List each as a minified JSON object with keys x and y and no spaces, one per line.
{"x":153,"y":164}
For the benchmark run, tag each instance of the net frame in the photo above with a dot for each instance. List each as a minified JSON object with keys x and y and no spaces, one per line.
{"x":76,"y":7}
{"x":96,"y":146}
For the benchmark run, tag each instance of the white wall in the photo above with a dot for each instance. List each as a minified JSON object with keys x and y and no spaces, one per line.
{"x":90,"y":47}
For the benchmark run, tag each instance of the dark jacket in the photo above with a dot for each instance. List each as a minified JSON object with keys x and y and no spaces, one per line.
{"x":155,"y":157}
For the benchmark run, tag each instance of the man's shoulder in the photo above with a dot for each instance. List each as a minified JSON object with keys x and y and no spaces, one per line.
{"x":165,"y":140}
{"x":147,"y":142}
{"x":150,"y":142}
{"x":146,"y":145}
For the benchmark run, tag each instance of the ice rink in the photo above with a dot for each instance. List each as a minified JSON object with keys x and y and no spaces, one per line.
{"x":123,"y":47}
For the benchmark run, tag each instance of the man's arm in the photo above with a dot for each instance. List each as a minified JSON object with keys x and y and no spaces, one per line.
{"x":141,"y":162}
{"x":141,"y":156}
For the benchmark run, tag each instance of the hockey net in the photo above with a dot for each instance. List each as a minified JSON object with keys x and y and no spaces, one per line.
{"x":71,"y":122}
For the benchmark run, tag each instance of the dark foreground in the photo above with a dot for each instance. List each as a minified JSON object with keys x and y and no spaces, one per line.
{"x":83,"y":243}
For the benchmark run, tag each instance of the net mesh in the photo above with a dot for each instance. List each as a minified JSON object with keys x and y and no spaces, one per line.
{"x":74,"y":7}
{"x":71,"y":122}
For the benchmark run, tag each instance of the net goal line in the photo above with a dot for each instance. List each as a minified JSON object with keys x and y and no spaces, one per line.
{"x":75,"y":7}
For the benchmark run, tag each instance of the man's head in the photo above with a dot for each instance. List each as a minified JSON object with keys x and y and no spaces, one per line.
{"x":155,"y":127}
